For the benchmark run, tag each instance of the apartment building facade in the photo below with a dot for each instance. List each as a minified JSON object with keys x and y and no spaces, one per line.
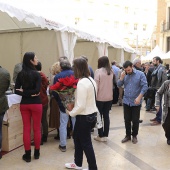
{"x":163,"y":22}
{"x":132,"y":21}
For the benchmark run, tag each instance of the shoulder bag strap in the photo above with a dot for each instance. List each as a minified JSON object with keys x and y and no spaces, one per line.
{"x":93,"y":87}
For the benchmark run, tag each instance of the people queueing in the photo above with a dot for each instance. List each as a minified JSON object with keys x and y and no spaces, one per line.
{"x":66,"y":71}
{"x":115,"y":88}
{"x":44,"y":100}
{"x":104,"y":79}
{"x":54,"y":117}
{"x":90,"y":68}
{"x":28,"y":84}
{"x":17,"y":69}
{"x":4,"y":85}
{"x":83,"y":110}
{"x":32,"y":84}
{"x":148,"y":97}
{"x":121,"y":89}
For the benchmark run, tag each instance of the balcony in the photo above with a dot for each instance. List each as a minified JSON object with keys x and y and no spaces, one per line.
{"x":165,"y":27}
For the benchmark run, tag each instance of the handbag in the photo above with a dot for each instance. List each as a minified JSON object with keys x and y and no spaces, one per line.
{"x":92,"y":119}
{"x":98,"y":121}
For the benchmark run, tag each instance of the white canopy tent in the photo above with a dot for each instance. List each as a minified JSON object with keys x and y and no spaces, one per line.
{"x":166,"y":55}
{"x":155,"y":52}
{"x":21,"y":31}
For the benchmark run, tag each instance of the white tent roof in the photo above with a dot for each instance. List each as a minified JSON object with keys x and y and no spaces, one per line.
{"x":166,"y":55}
{"x":155,"y":52}
{"x":14,"y":18}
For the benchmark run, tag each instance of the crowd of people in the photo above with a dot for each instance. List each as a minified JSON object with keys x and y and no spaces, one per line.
{"x":126,"y":85}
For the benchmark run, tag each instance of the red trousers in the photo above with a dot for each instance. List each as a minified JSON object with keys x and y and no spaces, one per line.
{"x":33,"y":111}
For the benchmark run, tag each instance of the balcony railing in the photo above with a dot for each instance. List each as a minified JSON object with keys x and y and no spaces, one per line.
{"x":165,"y":27}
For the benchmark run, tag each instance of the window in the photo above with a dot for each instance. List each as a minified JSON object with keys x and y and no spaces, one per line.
{"x":126,"y":25}
{"x":126,"y":10}
{"x":135,"y":26}
{"x":116,"y":24}
{"x":144,"y":27}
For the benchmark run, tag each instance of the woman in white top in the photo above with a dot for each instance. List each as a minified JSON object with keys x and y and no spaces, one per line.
{"x":104,"y":80}
{"x":84,"y":110}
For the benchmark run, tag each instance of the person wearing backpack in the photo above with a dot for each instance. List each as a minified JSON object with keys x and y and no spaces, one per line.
{"x":158,"y":77}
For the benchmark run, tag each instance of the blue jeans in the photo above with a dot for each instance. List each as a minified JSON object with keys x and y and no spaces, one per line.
{"x":1,"y":122}
{"x":63,"y":127}
{"x":148,"y":104}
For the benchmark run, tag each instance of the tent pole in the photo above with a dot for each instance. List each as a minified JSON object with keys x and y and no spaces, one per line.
{"x":21,"y":45}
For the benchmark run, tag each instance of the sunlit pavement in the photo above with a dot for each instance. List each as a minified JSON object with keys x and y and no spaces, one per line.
{"x":150,"y":153}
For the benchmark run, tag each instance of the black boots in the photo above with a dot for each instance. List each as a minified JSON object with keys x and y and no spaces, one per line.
{"x":27,"y":156}
{"x":44,"y":138}
{"x":36,"y":154}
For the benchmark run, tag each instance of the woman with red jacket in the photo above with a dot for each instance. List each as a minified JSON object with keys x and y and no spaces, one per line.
{"x":44,"y":100}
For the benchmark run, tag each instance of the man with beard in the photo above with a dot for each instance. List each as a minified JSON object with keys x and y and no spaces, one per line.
{"x":158,"y":77}
{"x":135,"y":86}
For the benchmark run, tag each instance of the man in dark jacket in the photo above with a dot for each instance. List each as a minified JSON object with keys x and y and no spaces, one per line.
{"x":150,"y":92}
{"x":4,"y":85}
{"x":156,"y":82}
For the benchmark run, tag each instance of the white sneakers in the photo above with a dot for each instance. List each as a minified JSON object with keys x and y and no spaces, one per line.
{"x":73,"y":166}
{"x":100,"y":139}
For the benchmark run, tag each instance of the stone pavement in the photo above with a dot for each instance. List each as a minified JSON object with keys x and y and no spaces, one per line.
{"x":150,"y":153}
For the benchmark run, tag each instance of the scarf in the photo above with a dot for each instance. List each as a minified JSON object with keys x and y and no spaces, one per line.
{"x":154,"y":73}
